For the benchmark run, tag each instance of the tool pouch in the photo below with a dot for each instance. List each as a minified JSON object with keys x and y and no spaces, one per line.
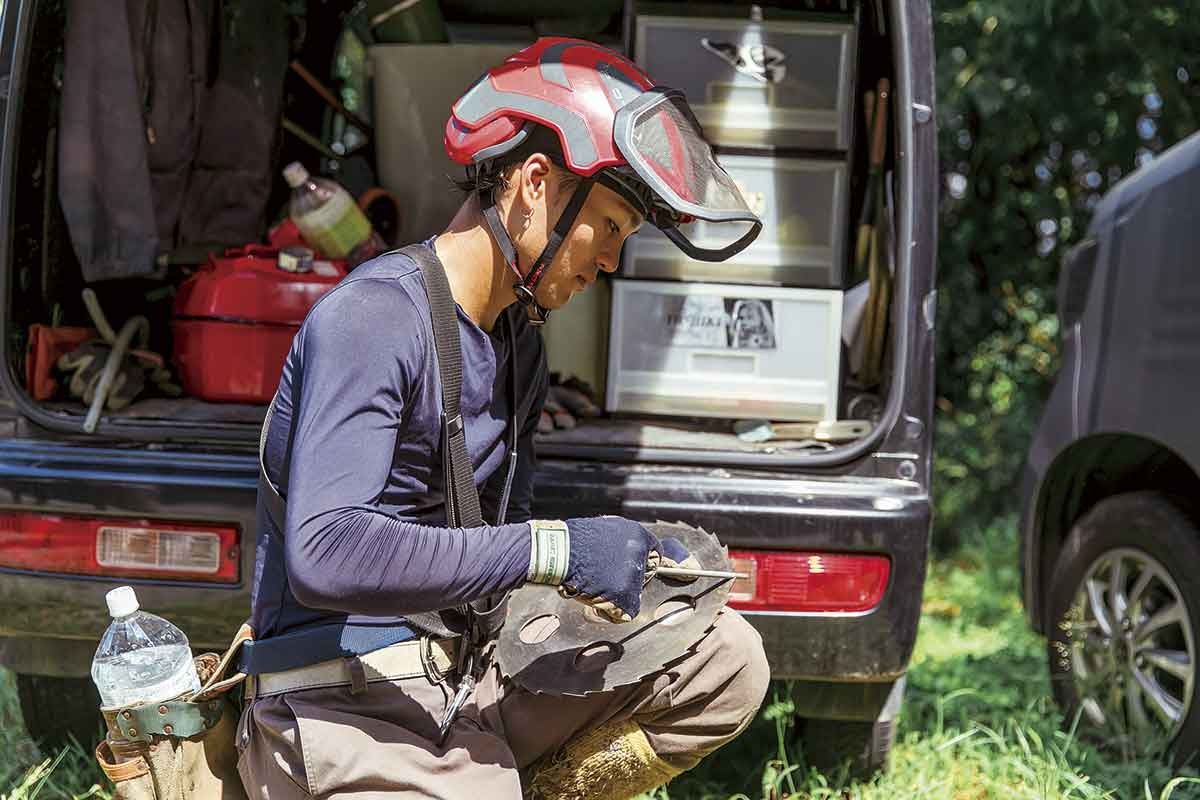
{"x":182,"y":749}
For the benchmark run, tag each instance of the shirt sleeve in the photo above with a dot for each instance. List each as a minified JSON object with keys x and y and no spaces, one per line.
{"x":362,"y":348}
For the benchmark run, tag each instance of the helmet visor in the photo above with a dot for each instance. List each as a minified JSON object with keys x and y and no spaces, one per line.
{"x":660,"y":138}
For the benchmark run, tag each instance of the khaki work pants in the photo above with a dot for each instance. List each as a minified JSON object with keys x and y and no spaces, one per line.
{"x":382,"y":743}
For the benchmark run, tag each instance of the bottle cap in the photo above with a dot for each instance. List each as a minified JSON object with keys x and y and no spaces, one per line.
{"x":121,"y":601}
{"x":295,"y":259}
{"x":295,"y":174}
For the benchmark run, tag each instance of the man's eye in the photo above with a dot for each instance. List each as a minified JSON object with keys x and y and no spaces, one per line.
{"x":613,"y":227}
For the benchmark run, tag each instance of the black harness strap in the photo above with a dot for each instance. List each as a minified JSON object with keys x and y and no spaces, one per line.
{"x":463,"y":509}
{"x":462,"y":498}
{"x":484,"y":616}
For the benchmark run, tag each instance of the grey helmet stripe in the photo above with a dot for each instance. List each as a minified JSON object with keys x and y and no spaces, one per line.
{"x":551,"y":64}
{"x":483,"y":98}
{"x":501,"y":148}
{"x":621,"y":87}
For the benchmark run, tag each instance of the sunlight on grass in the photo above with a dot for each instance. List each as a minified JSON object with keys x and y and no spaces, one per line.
{"x":978,"y":721}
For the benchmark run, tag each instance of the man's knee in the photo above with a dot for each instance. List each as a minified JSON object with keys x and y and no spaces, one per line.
{"x":740,"y":656}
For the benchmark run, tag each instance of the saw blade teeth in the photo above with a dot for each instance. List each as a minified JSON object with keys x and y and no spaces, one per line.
{"x":546,"y":666}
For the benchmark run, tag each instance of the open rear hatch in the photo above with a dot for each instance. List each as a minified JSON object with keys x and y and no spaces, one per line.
{"x":792,"y":353}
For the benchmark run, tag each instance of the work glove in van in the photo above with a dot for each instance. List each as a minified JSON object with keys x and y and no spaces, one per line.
{"x":83,"y":367}
{"x":601,"y":561}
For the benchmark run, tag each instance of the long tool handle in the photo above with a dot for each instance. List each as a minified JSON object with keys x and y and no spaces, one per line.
{"x":879,"y":122}
{"x":684,"y":572}
{"x":330,"y":99}
{"x":824,"y":431}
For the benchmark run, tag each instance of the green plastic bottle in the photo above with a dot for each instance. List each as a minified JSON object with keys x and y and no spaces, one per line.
{"x":328,"y":217}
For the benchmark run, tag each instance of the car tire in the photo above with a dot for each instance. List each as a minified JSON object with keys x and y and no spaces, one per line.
{"x":55,"y":709}
{"x":1123,"y":606}
{"x":828,"y":744}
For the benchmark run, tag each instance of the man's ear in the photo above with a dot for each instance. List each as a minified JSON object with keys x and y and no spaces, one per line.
{"x":534,"y":178}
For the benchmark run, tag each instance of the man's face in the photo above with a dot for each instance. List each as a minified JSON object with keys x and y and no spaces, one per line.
{"x":592,"y":245}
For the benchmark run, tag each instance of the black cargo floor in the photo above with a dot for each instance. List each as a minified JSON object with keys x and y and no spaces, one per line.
{"x":656,"y":433}
{"x":615,"y":432}
{"x":175,"y":409}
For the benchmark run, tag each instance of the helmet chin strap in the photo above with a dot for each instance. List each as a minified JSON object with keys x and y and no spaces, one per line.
{"x":527,"y":284}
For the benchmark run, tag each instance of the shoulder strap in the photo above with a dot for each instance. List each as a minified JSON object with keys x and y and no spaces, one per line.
{"x":485,"y":615}
{"x":462,"y":498}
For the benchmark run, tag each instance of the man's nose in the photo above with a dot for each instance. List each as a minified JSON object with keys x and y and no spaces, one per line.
{"x":608,"y":261}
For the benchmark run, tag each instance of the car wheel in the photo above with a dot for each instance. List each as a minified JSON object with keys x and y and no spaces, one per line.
{"x":57,"y":708}
{"x":1124,"y":600}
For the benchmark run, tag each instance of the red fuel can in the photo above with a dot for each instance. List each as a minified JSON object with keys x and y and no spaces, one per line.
{"x":234,"y":321}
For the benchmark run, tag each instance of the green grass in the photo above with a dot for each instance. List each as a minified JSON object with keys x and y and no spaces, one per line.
{"x":978,"y":720}
{"x":977,"y":723}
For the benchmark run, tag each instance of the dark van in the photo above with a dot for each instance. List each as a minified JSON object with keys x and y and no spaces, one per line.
{"x":1111,"y":526}
{"x":831,"y":521}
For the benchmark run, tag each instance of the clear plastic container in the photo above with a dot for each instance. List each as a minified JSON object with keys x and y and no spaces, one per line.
{"x":718,"y":350}
{"x":142,"y":658}
{"x":328,"y":217}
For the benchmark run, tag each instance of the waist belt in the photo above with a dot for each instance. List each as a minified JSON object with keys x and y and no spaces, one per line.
{"x":425,"y":656}
{"x":308,"y":646}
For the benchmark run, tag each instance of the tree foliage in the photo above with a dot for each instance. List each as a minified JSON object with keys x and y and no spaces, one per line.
{"x":1043,"y":106}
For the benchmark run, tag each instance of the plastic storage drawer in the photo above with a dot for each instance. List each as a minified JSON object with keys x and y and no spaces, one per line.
{"x":711,"y":350}
{"x":802,"y":204}
{"x":783,"y":84}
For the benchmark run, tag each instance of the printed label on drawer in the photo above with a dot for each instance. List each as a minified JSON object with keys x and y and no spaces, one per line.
{"x":717,"y":322}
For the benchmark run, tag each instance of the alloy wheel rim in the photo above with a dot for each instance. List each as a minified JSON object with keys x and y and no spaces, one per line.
{"x":1134,"y":659}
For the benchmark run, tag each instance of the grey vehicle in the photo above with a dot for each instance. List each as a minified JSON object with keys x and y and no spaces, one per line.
{"x":184,"y":471}
{"x":1111,"y":526}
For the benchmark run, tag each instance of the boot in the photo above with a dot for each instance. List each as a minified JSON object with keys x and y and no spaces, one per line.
{"x":612,"y":762}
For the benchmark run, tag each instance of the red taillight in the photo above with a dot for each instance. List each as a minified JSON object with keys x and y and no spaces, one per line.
{"x":118,"y":548}
{"x":808,"y":582}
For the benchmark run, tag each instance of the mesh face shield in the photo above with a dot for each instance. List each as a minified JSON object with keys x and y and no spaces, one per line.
{"x":659,"y":136}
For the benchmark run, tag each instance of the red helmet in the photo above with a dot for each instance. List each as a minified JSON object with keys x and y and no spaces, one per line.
{"x":614,"y":127}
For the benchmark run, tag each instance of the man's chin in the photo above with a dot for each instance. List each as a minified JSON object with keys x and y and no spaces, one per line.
{"x":559,"y":299}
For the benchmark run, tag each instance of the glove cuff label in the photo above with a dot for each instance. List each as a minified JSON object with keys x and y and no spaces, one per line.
{"x":550,"y":547}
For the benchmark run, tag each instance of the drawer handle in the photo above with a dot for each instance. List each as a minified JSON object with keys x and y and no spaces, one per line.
{"x":760,"y":61}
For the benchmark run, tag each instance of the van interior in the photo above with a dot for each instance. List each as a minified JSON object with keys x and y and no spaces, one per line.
{"x":140,"y":172}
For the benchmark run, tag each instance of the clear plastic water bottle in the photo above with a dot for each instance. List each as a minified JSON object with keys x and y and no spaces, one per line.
{"x":328,"y":217}
{"x":142,"y":658}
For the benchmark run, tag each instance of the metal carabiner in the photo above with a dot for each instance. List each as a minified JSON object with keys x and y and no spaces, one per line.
{"x":466,"y":685}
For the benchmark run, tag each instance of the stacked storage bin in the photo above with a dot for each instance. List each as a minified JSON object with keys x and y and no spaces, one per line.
{"x":758,"y":335}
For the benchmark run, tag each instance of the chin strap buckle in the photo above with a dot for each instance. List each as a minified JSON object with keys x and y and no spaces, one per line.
{"x":537,"y":315}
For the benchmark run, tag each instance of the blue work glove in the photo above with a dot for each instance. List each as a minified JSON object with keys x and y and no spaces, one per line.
{"x":673,"y":550}
{"x":601,"y":561}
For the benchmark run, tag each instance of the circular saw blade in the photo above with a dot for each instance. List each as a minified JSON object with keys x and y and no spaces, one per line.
{"x":555,"y":645}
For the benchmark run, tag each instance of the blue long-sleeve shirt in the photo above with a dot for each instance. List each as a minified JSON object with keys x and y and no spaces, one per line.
{"x":354,"y":447}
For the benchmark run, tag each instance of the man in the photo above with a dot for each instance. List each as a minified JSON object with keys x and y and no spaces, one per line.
{"x":568,"y":151}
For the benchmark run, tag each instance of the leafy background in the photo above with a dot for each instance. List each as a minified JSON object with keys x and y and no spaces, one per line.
{"x":1043,"y":105}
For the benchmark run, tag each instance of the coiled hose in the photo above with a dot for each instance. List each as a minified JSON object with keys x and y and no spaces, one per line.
{"x":120,"y":344}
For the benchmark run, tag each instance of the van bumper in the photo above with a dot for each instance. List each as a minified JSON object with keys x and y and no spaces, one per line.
{"x":846,"y":663}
